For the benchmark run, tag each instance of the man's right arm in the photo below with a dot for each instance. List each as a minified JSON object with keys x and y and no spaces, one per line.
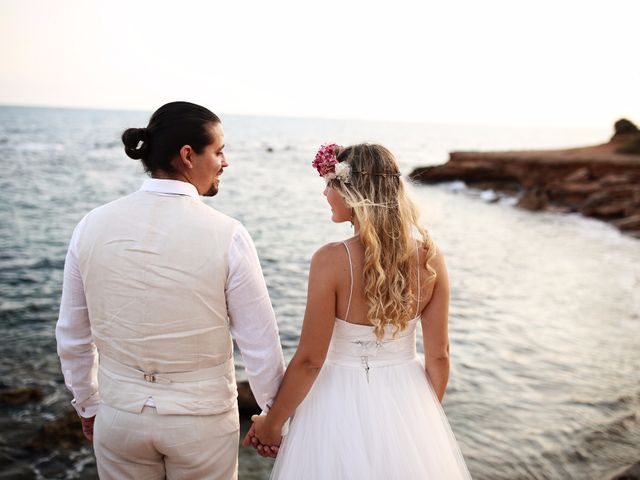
{"x":77,"y":352}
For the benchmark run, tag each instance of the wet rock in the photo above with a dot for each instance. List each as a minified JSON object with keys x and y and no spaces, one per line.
{"x":246,"y":401}
{"x":63,"y":433}
{"x":572,"y":194}
{"x":12,"y":468}
{"x":17,"y":471}
{"x":631,"y":147}
{"x":55,"y":467}
{"x":595,"y":181}
{"x":629,"y":223}
{"x":609,"y":212}
{"x":556,"y":209}
{"x":624,"y":126}
{"x":579,"y":175}
{"x":21,"y":396}
{"x":16,"y":432}
{"x":616,"y":201}
{"x":509,"y":188}
{"x":470,"y":172}
{"x":89,"y":472}
{"x":534,"y":200}
{"x":628,"y":473}
{"x":615,"y":179}
{"x":582,"y":189}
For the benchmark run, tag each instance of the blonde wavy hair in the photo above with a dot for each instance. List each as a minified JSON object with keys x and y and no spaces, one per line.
{"x":388,"y":219}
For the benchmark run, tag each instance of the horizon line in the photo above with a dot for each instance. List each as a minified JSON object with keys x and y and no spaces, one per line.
{"x":324,"y":118}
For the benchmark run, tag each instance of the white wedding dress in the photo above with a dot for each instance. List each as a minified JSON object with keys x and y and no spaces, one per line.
{"x":371,"y":414}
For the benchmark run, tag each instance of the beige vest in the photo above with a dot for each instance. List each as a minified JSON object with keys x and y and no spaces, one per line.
{"x":154,"y":269}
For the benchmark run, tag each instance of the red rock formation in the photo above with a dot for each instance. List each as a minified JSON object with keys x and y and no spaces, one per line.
{"x":594,"y":181}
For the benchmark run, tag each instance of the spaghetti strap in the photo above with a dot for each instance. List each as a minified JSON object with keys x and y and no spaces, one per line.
{"x":351,"y":280}
{"x":418,"y":270}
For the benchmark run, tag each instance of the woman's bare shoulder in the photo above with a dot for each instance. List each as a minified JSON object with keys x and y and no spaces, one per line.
{"x":328,"y":262}
{"x":328,"y":252}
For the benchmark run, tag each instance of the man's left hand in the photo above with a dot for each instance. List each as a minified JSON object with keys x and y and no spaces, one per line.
{"x":87,"y":427}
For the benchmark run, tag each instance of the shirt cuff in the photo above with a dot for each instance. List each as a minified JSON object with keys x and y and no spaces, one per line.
{"x":88,"y":409}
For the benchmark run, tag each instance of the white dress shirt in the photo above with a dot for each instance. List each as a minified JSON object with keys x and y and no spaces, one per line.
{"x":251,"y":318}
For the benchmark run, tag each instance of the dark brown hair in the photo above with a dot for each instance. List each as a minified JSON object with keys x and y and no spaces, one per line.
{"x":170,"y":128}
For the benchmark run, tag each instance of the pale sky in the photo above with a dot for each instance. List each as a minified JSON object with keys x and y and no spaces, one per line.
{"x":566,"y":63}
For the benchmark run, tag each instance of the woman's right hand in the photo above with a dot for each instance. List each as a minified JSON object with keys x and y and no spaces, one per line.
{"x":263,"y":450}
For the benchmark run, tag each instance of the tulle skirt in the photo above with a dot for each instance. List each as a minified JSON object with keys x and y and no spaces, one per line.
{"x":387,"y":424}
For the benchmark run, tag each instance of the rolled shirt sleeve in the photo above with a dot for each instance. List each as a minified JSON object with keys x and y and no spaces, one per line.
{"x":252,"y":320}
{"x":77,"y":352}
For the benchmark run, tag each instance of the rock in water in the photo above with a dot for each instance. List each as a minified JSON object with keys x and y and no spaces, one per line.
{"x":629,"y":473}
{"x":21,"y":396}
{"x":624,"y":126}
{"x":246,"y":401}
{"x":64,"y":433}
{"x":601,"y":181}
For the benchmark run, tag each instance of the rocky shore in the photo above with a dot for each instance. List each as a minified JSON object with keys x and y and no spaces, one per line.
{"x":601,"y":181}
{"x":54,"y":448}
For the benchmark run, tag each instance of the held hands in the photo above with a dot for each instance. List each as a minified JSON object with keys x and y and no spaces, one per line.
{"x":264,"y":437}
{"x":265,"y":431}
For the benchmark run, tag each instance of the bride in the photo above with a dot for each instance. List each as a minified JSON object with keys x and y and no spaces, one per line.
{"x":364,"y":405}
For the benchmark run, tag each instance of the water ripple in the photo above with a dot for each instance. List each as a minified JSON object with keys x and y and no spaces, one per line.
{"x":544,"y":308}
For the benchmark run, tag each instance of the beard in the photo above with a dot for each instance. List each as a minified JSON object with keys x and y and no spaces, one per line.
{"x":212,"y":192}
{"x":213,"y":189}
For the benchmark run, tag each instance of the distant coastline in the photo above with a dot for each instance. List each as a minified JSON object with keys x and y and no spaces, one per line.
{"x":601,"y":181}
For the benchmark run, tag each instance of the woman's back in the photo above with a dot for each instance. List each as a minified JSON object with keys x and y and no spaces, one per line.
{"x":351,"y":303}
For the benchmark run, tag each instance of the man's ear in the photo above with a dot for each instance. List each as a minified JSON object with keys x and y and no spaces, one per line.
{"x":186,"y":160}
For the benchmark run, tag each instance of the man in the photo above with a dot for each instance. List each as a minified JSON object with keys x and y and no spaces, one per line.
{"x":155,"y":284}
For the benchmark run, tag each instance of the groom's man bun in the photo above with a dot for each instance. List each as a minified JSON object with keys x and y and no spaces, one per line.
{"x":170,"y":127}
{"x":135,"y":143}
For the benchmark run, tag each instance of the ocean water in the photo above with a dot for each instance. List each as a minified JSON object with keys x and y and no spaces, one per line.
{"x":545,"y":308}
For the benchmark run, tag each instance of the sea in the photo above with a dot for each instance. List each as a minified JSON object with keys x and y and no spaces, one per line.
{"x":545,"y":307}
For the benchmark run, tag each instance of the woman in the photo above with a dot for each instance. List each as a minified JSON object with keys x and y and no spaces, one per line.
{"x":365,"y":405}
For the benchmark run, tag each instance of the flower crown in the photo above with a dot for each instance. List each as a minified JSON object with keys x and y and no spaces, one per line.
{"x":326,"y":162}
{"x":328,"y":166}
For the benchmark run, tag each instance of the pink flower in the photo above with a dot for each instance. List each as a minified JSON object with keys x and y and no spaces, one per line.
{"x":326,"y":159}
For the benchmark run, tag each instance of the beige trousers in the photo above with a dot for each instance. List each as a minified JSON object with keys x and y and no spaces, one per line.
{"x":149,"y":446}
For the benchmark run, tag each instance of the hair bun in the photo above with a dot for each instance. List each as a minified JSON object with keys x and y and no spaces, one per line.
{"x":135,"y":143}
